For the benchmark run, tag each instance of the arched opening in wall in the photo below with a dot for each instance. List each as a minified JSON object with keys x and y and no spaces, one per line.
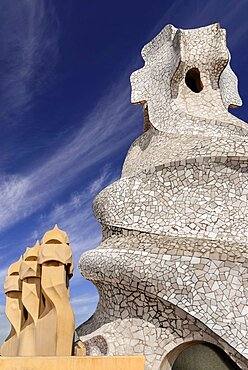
{"x":193,"y":80}
{"x":198,"y":356}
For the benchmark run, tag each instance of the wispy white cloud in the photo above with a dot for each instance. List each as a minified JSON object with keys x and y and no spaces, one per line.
{"x":97,"y":184}
{"x":28,"y":53}
{"x":101,"y":132}
{"x":4,"y":328}
{"x":105,"y":130}
{"x":76,"y":215}
{"x":198,"y":13}
{"x":3,"y":273}
{"x":12,"y":189}
{"x":2,"y":309}
{"x":82,"y":304}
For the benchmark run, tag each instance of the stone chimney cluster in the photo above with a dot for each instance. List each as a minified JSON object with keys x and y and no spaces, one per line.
{"x":38,"y":301}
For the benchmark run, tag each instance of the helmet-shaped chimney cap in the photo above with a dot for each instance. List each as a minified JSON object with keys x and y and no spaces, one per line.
{"x":55,"y":236}
{"x":15,"y":267}
{"x":32,"y":252}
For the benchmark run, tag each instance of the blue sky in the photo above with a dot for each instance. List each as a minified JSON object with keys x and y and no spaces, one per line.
{"x":65,"y":114}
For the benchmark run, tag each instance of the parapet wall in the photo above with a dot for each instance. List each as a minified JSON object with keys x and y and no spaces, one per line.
{"x":73,"y":363}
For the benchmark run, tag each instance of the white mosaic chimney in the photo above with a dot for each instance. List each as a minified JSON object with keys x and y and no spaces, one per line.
{"x":172,"y":267}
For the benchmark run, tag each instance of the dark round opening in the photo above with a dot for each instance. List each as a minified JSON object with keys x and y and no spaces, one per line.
{"x":193,"y":80}
{"x":204,"y":356}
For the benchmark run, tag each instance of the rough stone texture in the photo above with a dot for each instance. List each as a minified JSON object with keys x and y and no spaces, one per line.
{"x":172,"y":267}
